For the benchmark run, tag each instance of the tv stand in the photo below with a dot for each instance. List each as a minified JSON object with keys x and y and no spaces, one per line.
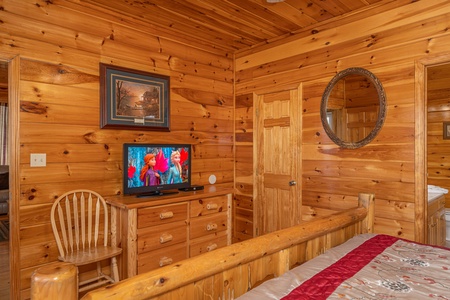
{"x":168,"y":229}
{"x":156,"y":193}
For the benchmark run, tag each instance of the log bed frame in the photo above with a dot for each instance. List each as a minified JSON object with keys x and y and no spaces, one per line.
{"x":229,"y":272}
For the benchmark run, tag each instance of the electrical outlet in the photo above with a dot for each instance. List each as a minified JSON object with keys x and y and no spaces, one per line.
{"x":38,"y":160}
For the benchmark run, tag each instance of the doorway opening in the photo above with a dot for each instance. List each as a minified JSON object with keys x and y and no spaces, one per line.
{"x":423,"y":133}
{"x":437,"y":150}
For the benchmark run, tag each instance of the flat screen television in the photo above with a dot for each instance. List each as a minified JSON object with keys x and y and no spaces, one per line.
{"x":156,"y":169}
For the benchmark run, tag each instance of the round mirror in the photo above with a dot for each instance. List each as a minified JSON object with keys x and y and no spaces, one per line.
{"x":353,"y":108}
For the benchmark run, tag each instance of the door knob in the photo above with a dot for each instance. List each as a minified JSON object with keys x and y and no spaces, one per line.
{"x":292,"y":182}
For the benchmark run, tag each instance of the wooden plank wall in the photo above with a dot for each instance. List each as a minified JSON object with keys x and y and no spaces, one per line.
{"x":61,"y":45}
{"x":243,"y":199}
{"x":387,"y":40}
{"x":438,"y":106}
{"x":3,"y":82}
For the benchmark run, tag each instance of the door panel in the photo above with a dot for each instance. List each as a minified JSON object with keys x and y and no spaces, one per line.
{"x":278,"y":160}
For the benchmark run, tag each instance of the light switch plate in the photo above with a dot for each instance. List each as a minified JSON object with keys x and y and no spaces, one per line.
{"x":38,"y":160}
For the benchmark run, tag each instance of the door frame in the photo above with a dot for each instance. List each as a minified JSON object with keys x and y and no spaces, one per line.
{"x":420,"y":157}
{"x":14,"y":168}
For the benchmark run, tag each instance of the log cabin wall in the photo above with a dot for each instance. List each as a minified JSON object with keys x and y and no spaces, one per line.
{"x":60,"y":47}
{"x":438,"y":110}
{"x":387,"y":40}
{"x":3,"y":82}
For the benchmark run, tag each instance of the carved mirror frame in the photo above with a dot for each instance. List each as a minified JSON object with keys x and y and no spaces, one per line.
{"x":381,"y":113}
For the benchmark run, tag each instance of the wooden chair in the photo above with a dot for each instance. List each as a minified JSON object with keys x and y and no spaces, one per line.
{"x":78,"y":218}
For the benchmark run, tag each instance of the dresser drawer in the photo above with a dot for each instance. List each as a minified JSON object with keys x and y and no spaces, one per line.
{"x":159,"y":215}
{"x":206,"y":206}
{"x":165,"y":256}
{"x":210,"y":224}
{"x":208,"y":243}
{"x":152,"y":238}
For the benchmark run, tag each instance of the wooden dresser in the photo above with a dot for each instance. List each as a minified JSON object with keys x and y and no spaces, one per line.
{"x":157,"y":231}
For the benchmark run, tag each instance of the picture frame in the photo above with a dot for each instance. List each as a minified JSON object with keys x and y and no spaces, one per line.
{"x":133,"y":99}
{"x":446,"y":131}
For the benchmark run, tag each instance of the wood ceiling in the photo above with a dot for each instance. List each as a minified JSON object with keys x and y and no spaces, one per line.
{"x":229,"y":25}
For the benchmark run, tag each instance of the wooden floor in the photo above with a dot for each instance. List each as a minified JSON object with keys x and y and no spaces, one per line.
{"x":4,"y":270}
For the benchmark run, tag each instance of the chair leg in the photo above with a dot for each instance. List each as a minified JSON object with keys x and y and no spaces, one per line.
{"x":114,"y":270}
{"x":99,"y":269}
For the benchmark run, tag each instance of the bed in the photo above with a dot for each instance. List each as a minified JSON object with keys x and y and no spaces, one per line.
{"x":368,"y":266}
{"x":229,"y":272}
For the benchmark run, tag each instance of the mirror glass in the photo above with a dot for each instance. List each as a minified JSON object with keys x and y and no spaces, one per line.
{"x":353,"y":108}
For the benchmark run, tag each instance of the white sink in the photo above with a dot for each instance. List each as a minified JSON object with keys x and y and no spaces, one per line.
{"x":433,"y":195}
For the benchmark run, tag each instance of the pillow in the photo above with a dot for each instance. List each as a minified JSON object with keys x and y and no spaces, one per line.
{"x":4,"y":181}
{"x":4,"y":169}
{"x":4,"y":196}
{"x":4,"y":177}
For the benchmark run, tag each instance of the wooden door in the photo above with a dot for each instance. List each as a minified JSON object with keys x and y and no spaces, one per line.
{"x":277,"y":155}
{"x":360,"y":122}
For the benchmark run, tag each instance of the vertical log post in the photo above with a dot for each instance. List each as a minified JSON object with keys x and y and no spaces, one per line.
{"x":58,"y":280}
{"x":367,"y":201}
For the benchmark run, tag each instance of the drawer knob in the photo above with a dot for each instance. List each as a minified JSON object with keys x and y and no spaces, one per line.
{"x":164,"y":261}
{"x":211,"y":226}
{"x":211,"y":247}
{"x":166,"y":215}
{"x":165,"y":237}
{"x":211,"y":206}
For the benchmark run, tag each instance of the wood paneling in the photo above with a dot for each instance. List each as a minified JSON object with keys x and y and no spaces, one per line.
{"x":385,"y":167}
{"x":244,"y":170}
{"x":4,"y":270}
{"x":3,"y":82}
{"x":226,"y":25}
{"x":61,"y":46}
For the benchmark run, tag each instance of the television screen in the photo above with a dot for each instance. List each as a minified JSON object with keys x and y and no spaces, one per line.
{"x":154,"y":169}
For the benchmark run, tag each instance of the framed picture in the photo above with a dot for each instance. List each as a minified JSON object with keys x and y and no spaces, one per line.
{"x":446,"y":131}
{"x":131,"y":99}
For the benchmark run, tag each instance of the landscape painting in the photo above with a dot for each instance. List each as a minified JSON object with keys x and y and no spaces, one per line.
{"x":133,"y":99}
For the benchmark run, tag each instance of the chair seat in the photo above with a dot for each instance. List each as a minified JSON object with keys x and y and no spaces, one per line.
{"x":90,"y":255}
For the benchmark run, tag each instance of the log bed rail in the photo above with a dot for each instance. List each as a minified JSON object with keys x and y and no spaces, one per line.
{"x":229,"y":272}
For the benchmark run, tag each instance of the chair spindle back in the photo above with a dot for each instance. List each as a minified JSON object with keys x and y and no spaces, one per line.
{"x":79,"y":215}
